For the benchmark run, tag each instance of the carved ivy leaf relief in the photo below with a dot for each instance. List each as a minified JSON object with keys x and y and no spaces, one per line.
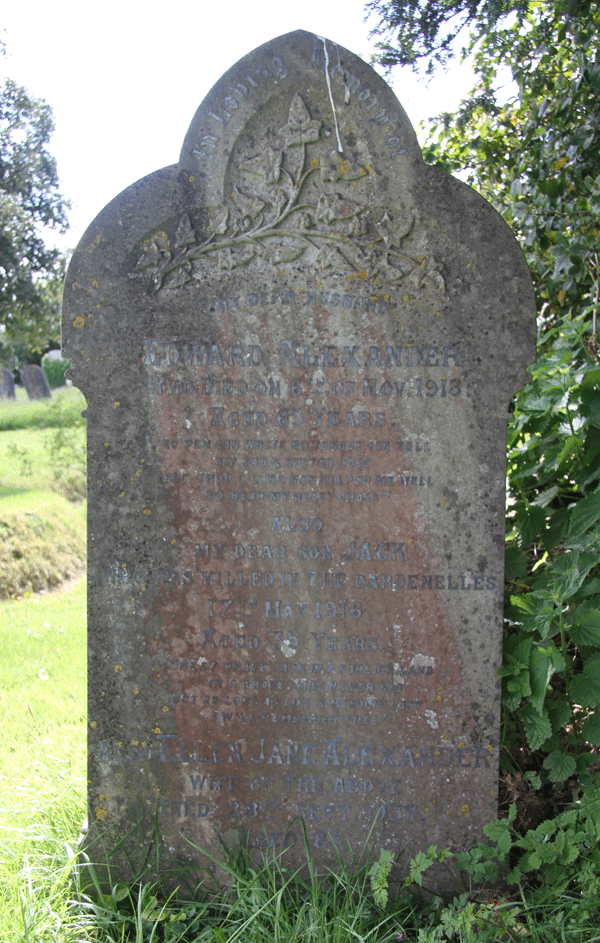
{"x":185,"y":235}
{"x":219,"y":220}
{"x":393,"y":231}
{"x":332,"y":257}
{"x":295,"y":200}
{"x":300,"y":129}
{"x":155,"y":252}
{"x":266,"y":165}
{"x":335,"y":167}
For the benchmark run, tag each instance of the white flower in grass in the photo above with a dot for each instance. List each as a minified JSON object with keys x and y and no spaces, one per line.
{"x":46,"y":625}
{"x":43,"y":674}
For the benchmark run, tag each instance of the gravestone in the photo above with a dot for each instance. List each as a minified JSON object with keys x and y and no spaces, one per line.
{"x":54,"y":355}
{"x":298,"y":348}
{"x":34,"y":380}
{"x":7,"y":384}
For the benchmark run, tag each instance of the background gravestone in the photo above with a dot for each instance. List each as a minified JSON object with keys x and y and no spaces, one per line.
{"x":7,"y":384}
{"x":54,"y":355}
{"x":298,"y":348}
{"x":34,"y":380}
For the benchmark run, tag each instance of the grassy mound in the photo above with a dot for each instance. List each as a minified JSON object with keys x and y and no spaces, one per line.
{"x":42,"y":487}
{"x":43,"y":542}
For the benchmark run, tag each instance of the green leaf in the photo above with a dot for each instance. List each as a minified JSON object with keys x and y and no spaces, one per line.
{"x":586,"y":628}
{"x":585,"y":687}
{"x":557,"y":528}
{"x":524,"y":602}
{"x":591,"y":729}
{"x":543,"y":499}
{"x":541,"y":670}
{"x":531,"y":861}
{"x":379,"y":875}
{"x":543,"y":831}
{"x":552,"y":187}
{"x":591,"y":378}
{"x":560,"y":713}
{"x":120,"y":892}
{"x":150,"y":907}
{"x":568,"y":576}
{"x":515,"y":563}
{"x":496,"y":830}
{"x":517,"y":652}
{"x":515,"y":669}
{"x":532,"y":524}
{"x":537,"y":726}
{"x":591,"y":587}
{"x":561,"y":765}
{"x":585,"y":514}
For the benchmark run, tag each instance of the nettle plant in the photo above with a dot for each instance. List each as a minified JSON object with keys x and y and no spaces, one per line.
{"x":533,"y":149}
{"x":551,"y":670}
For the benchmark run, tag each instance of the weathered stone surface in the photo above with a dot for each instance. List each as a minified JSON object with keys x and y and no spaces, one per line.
{"x":34,"y":380}
{"x":7,"y":384}
{"x":298,"y":348}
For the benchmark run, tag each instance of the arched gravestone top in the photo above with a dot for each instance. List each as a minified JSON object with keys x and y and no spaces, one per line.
{"x":7,"y":384}
{"x":34,"y":380}
{"x":298,"y":348}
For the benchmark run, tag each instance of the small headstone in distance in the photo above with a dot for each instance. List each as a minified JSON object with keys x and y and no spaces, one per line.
{"x":54,"y":355}
{"x":298,"y":347}
{"x":34,"y":380}
{"x":7,"y":384}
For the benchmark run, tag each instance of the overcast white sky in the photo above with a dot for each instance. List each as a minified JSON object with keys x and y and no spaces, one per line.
{"x":124,"y":77}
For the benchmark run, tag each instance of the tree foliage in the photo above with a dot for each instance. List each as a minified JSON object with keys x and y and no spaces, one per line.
{"x":528,"y":138}
{"x":30,"y":204}
{"x":415,"y":32}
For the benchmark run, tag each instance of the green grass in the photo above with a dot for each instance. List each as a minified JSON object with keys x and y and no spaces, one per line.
{"x":260,"y":903}
{"x":42,"y":445}
{"x":29,"y":459}
{"x":24,"y":461}
{"x":63,"y":409}
{"x":42,"y":662}
{"x":42,"y":759}
{"x":43,"y":679}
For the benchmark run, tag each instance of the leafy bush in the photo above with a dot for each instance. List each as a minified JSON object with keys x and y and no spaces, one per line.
{"x":55,"y":371}
{"x":531,"y":146}
{"x":536,"y":157}
{"x":551,"y":667}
